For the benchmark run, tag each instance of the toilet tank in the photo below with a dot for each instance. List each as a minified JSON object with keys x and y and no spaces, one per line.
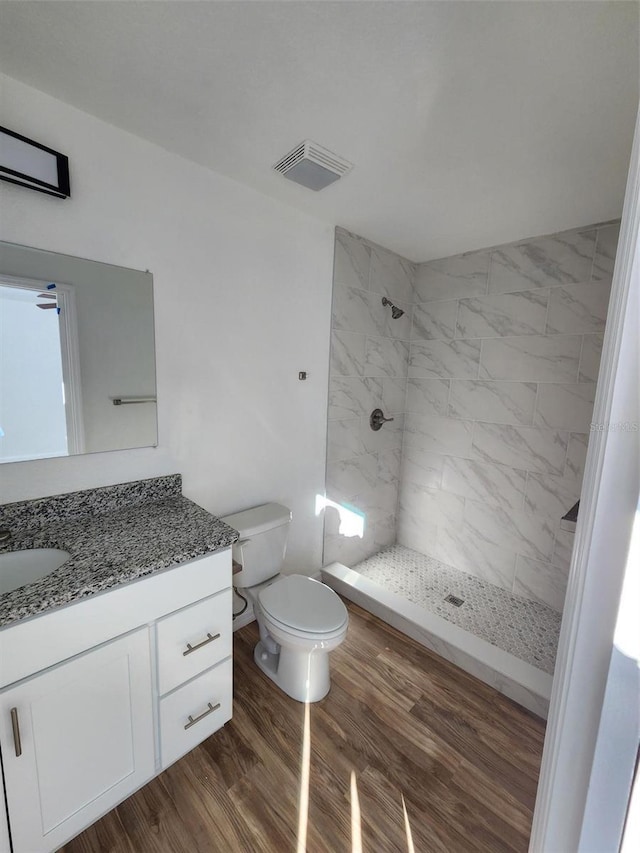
{"x":262,"y":544}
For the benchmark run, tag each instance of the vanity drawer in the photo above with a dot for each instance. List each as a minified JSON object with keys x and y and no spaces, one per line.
{"x":202,"y":706}
{"x":193,"y":639}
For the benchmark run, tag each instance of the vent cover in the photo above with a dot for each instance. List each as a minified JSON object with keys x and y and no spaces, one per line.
{"x":312,"y":166}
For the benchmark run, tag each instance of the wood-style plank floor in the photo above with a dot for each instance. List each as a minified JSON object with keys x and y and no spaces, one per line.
{"x":406,"y":753}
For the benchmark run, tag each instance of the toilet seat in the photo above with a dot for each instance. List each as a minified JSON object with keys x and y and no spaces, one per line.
{"x":302,"y":606}
{"x":284,"y":635}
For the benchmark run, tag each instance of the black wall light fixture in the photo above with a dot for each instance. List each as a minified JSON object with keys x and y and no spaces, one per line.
{"x":29,"y":164}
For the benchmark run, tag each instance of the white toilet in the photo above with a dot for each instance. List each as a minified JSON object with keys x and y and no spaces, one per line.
{"x":300,"y":619}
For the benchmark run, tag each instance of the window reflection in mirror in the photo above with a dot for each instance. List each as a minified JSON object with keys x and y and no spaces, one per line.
{"x":32,"y":389}
{"x":77,"y":361}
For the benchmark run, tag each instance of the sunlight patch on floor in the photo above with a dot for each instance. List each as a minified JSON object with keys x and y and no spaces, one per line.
{"x":303,"y":803}
{"x":356,"y":821}
{"x":407,"y":827}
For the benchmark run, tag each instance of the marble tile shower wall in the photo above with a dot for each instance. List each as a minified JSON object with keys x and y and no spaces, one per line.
{"x":503,"y":361}
{"x":369,"y":364}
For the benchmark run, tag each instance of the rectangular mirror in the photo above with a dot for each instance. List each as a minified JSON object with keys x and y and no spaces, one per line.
{"x":77,"y":356}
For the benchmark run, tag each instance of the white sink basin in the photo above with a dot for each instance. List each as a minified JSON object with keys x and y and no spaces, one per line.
{"x":19,"y":568}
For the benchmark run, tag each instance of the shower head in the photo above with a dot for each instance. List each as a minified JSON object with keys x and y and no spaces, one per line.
{"x":395,"y":311}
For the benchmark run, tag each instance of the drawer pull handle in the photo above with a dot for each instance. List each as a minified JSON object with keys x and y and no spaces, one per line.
{"x":15,"y":725}
{"x":193,"y":720}
{"x":206,"y":642}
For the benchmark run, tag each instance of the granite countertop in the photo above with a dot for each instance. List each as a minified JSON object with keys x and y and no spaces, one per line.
{"x":113,"y":548}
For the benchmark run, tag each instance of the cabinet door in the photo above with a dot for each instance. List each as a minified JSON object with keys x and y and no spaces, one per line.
{"x":5,"y":845}
{"x":76,"y":740}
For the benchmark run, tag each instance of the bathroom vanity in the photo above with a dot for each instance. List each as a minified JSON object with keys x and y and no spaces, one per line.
{"x":108,"y":676}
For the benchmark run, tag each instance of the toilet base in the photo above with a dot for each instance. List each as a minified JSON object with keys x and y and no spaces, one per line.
{"x":301,"y":675}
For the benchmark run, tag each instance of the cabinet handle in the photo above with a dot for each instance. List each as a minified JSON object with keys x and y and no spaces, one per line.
{"x":15,"y":725}
{"x":193,"y":720}
{"x":206,"y":642}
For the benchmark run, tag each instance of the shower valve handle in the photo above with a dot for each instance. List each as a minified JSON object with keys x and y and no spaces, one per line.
{"x":377,"y":419}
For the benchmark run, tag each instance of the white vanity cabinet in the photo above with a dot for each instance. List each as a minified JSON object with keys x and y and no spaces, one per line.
{"x":76,"y":740}
{"x":98,"y":697}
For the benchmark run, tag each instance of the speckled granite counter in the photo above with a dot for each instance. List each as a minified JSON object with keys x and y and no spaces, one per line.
{"x":114,"y":535}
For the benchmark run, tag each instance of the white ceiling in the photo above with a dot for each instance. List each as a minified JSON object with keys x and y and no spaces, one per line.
{"x":469,"y":123}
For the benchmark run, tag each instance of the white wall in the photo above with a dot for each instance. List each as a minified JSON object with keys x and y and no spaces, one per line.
{"x":242,"y":298}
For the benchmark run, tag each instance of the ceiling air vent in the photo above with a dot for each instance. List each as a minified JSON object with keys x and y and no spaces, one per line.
{"x":312,"y":166}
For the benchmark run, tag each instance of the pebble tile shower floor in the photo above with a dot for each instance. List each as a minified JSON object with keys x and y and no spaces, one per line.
{"x":521,"y":627}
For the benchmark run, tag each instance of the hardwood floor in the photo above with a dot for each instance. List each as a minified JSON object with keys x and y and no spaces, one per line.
{"x":400,"y":729}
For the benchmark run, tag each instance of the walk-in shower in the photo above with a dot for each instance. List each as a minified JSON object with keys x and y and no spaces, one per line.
{"x":485,"y":376}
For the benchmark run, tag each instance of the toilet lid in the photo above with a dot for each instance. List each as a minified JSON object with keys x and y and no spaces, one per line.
{"x":303,"y":604}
